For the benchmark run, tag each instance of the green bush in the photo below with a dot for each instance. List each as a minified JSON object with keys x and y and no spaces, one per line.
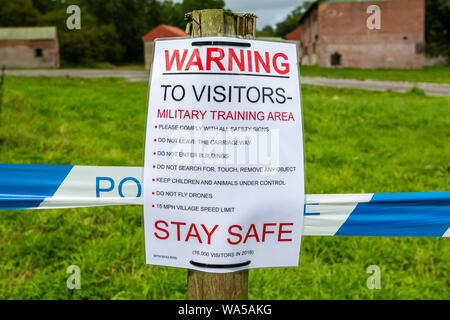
{"x":88,"y":45}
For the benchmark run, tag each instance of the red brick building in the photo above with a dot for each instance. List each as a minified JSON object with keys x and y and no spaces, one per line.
{"x":335,"y":33}
{"x":161,"y":31}
{"x":296,"y":36}
{"x":29,"y":47}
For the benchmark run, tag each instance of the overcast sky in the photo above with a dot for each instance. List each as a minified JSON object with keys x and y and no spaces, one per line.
{"x":268,"y":11}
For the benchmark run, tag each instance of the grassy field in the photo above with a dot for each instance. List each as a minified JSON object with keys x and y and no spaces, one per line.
{"x":427,"y":74}
{"x":355,"y":141}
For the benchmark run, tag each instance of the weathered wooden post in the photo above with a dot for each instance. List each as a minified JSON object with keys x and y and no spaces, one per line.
{"x":203,"y":23}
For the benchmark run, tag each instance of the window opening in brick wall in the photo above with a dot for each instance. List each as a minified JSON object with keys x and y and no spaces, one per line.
{"x":38,"y":52}
{"x":336,"y":59}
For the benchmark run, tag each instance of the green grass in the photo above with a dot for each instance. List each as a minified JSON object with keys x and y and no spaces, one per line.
{"x":355,"y":141}
{"x":427,"y":74}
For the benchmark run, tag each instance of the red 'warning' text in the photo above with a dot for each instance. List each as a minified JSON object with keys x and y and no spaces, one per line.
{"x":227,"y":60}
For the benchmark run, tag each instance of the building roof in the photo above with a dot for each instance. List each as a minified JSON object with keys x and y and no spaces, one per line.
{"x":163,"y":31}
{"x":294,"y":35}
{"x":28,"y":33}
{"x":312,"y":6}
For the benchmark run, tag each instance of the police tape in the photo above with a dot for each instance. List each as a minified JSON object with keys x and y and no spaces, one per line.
{"x":412,"y":214}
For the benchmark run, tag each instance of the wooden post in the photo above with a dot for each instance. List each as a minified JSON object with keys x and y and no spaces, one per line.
{"x":204,"y":23}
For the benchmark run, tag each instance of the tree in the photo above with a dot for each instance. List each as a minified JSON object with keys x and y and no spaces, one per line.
{"x":44,"y":6}
{"x":131,"y":19}
{"x":437,"y":27}
{"x":17,"y":13}
{"x":191,"y":5}
{"x":267,"y":31}
{"x":172,"y":14}
{"x":92,"y":43}
{"x":291,"y":21}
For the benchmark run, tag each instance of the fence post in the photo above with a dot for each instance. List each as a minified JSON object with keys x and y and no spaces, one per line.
{"x":204,"y":23}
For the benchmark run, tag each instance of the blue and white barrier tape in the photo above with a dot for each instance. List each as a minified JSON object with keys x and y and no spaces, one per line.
{"x":420,"y":214}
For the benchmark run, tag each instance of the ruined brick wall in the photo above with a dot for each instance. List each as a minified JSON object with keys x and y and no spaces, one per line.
{"x":29,"y":53}
{"x":398,"y":44}
{"x":309,"y":38}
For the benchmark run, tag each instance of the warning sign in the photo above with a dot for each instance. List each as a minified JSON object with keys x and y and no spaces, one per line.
{"x":223,"y":174}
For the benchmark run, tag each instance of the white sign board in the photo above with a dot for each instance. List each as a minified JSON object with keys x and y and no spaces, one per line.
{"x":223,"y":174}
